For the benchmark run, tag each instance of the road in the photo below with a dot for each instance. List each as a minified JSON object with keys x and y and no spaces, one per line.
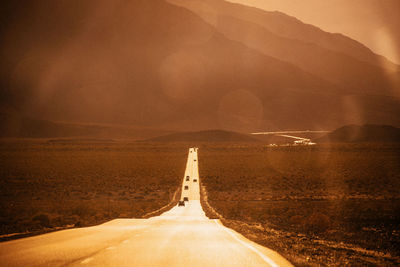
{"x":288,"y":132}
{"x":294,"y":137}
{"x":182,"y":236}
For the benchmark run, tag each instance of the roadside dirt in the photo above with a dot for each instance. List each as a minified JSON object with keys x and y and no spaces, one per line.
{"x":321,"y":206}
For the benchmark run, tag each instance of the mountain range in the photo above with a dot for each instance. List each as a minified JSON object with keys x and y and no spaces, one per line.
{"x":374,"y":23}
{"x":187,"y":65}
{"x":368,"y":133}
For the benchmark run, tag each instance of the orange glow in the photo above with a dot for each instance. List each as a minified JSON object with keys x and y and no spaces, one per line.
{"x":363,"y":20}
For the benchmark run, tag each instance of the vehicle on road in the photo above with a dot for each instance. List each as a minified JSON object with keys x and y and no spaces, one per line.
{"x":194,"y":159}
{"x":181,"y":203}
{"x":186,"y":187}
{"x":185,"y":199}
{"x":187,"y":178}
{"x":194,"y":180}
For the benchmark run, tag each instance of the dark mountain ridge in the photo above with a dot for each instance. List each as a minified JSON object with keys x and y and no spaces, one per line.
{"x":332,"y":57}
{"x":286,"y":26}
{"x":25,"y":127}
{"x":368,"y":133}
{"x":205,"y":136}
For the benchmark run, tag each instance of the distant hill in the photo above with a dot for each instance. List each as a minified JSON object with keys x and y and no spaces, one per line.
{"x":205,"y":136}
{"x":362,"y":134}
{"x":25,"y":127}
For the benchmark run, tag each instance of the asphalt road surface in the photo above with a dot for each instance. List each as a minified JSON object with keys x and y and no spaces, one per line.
{"x":182,"y":236}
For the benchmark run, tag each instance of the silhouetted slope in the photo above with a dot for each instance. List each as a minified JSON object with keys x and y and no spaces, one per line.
{"x":205,"y":136}
{"x":333,"y":57}
{"x":12,"y":126}
{"x":364,"y":133}
{"x":372,"y":22}
{"x":285,"y":26}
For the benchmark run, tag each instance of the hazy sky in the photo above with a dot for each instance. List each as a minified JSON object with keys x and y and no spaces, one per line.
{"x":375,"y":23}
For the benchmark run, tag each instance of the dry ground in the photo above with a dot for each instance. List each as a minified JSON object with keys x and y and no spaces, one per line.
{"x":321,"y":205}
{"x":47,"y":185}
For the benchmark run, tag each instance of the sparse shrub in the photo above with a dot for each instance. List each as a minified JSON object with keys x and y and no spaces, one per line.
{"x":42,"y":219}
{"x":317,"y":223}
{"x":296,"y":220}
{"x":82,"y":210}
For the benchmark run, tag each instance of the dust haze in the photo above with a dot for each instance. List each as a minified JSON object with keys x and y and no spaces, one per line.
{"x":168,"y":64}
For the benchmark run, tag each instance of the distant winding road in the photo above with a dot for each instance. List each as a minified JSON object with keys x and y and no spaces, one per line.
{"x":182,"y":236}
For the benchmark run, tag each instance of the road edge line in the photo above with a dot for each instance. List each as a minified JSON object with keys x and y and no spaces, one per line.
{"x":249,"y":246}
